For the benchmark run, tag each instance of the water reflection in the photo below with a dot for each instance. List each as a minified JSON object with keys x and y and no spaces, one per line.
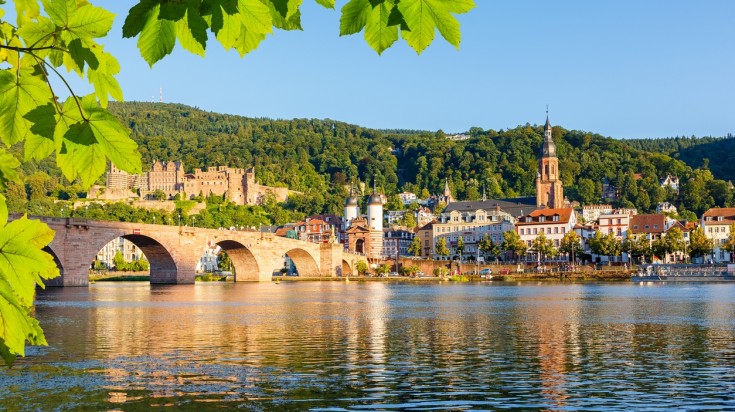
{"x":321,"y":345}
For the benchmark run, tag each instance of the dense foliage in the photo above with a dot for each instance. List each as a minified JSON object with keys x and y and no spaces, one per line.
{"x":712,"y":152}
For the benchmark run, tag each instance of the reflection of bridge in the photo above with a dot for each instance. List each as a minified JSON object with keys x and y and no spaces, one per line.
{"x":173,"y":251}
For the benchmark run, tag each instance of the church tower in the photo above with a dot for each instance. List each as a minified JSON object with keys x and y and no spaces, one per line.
{"x":549,"y":191}
{"x":375,"y":224}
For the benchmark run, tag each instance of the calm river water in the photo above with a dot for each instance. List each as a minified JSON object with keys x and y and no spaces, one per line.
{"x":332,"y":346}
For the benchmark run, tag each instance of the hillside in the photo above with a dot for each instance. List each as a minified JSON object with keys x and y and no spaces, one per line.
{"x":715,"y":152}
{"x":319,"y":157}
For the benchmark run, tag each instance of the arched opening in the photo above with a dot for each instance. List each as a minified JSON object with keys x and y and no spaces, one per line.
{"x":57,"y":281}
{"x":304,"y":262}
{"x":162,"y":265}
{"x":360,"y":246}
{"x":245,"y":267}
{"x":346,"y":269}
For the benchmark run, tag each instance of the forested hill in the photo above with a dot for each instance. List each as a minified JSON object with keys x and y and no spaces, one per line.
{"x":717,"y":152}
{"x":318,"y":157}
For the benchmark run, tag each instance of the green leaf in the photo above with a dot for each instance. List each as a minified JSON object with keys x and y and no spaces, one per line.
{"x":354,"y":16}
{"x":115,"y":141}
{"x":248,"y":41}
{"x":3,"y":211}
{"x":103,"y":80}
{"x":19,"y":95}
{"x":26,"y":8}
{"x":460,"y":6}
{"x":40,"y":142}
{"x":87,"y":143}
{"x":378,"y":34}
{"x":157,"y":39}
{"x":22,"y":262}
{"x":326,"y":3}
{"x":255,"y":16}
{"x":60,"y":11}
{"x":16,"y":324}
{"x":192,"y":32}
{"x":8,"y":164}
{"x":91,"y":22}
{"x":137,"y":17}
{"x":229,"y":34}
{"x":423,"y":17}
{"x":38,"y":33}
{"x":79,"y":55}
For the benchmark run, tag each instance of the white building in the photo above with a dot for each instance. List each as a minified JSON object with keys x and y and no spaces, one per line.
{"x":665,"y":207}
{"x":553,"y":223}
{"x":590,"y":213}
{"x":716,"y":225}
{"x":209,"y":262}
{"x":396,"y":243}
{"x":670,"y":181}
{"x":128,"y":249}
{"x":393,"y":216}
{"x":407,"y":198}
{"x":472,"y":226}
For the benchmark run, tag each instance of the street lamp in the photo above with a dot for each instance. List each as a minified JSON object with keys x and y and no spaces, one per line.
{"x":86,"y":211}
{"x":179,"y":219}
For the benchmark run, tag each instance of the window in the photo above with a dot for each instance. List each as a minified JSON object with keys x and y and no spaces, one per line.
{"x":535,"y":231}
{"x":556,"y":230}
{"x":522,"y":231}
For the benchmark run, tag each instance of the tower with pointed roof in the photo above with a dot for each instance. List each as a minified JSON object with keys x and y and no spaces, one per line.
{"x":549,"y":190}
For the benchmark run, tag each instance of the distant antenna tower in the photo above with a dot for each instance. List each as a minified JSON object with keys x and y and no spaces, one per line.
{"x":160,"y":95}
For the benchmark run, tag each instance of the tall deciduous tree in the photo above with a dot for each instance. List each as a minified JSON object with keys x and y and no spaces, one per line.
{"x":512,"y":242}
{"x":415,"y":247}
{"x":699,"y":244}
{"x":571,"y":244}
{"x":441,"y":247}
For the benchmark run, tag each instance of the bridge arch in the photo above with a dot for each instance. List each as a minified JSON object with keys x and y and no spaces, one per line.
{"x":245,"y":265}
{"x":346,"y":268}
{"x":305,"y":263}
{"x":58,"y":281}
{"x":163,"y":267}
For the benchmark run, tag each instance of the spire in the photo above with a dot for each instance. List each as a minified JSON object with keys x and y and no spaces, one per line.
{"x":484,"y":196}
{"x":547,"y":126}
{"x":374,"y":183}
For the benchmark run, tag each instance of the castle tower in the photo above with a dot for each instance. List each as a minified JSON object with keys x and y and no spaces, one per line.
{"x":549,"y":191}
{"x":375,"y":224}
{"x":352,"y":210}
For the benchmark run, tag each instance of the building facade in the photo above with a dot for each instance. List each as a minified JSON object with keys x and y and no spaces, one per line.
{"x":553,"y":223}
{"x":396,"y":243}
{"x":472,"y":226}
{"x":716,"y":225}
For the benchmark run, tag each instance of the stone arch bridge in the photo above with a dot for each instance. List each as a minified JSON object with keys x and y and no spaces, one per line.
{"x":173,"y":251}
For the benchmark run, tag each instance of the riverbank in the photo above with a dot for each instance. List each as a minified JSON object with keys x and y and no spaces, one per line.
{"x":596,"y":276}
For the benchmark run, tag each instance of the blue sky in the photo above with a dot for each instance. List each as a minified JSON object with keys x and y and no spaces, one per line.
{"x":625,"y":69}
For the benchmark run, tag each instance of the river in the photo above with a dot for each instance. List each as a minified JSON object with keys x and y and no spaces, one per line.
{"x":334,"y":346}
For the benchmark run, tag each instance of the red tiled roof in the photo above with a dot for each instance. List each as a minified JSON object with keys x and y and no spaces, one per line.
{"x":564,"y":214}
{"x":647,"y":223}
{"x":727,"y":213}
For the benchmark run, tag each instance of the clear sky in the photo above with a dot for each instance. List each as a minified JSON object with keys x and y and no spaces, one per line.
{"x":623,"y":68}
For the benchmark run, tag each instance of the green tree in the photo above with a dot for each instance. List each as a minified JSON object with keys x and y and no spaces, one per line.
{"x":586,"y":191}
{"x":407,"y":220}
{"x":543,"y":246}
{"x":699,"y":244}
{"x":460,"y":246}
{"x":361,"y":267}
{"x":489,"y":248}
{"x":415,"y":247}
{"x":224,"y":262}
{"x":729,"y":245}
{"x":571,"y":244}
{"x":512,"y":242}
{"x":383,"y":269}
{"x":441,"y":247}
{"x":119,"y":262}
{"x":159,"y":195}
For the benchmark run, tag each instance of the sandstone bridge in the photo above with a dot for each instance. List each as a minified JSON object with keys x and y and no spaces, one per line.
{"x":173,"y":251}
